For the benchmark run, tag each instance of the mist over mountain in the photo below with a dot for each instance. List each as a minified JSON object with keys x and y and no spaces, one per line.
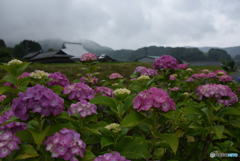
{"x":233,"y":51}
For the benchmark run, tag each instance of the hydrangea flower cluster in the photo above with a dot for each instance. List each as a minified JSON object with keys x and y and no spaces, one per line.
{"x":165,"y":62}
{"x":88,"y":57}
{"x":24,"y":75}
{"x":14,"y":61}
{"x":115,"y":76}
{"x":104,"y":91}
{"x":65,"y":144}
{"x":37,"y":99}
{"x":113,"y":127}
{"x":8,"y":143}
{"x":145,"y":71}
{"x":8,"y":84}
{"x":83,"y":108}
{"x":58,"y":78}
{"x":153,"y":97}
{"x":222,"y":93}
{"x":2,"y":97}
{"x":89,"y":78}
{"x":173,"y":77}
{"x":6,"y":116}
{"x":14,"y":126}
{"x":79,"y":91}
{"x":182,"y":66}
{"x":174,"y":89}
{"x":39,"y":74}
{"x":121,"y":91}
{"x":113,"y":156}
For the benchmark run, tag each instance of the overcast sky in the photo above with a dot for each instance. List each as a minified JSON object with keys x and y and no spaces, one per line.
{"x":124,"y":23}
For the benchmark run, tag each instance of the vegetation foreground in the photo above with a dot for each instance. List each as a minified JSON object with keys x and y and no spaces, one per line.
{"x":117,"y":112}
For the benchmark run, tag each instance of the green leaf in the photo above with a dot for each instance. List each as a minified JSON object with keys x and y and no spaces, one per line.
{"x":218,"y":131}
{"x":27,"y":151}
{"x":88,"y":156}
{"x":172,"y":140}
{"x":232,"y":111}
{"x":132,"y":119}
{"x":39,"y":136}
{"x":106,"y":141}
{"x":104,"y":100}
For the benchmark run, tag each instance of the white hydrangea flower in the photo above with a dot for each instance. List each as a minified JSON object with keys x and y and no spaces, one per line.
{"x":121,"y":91}
{"x":189,"y":69}
{"x":39,"y":74}
{"x":14,"y":61}
{"x":113,"y":127}
{"x":143,"y":77}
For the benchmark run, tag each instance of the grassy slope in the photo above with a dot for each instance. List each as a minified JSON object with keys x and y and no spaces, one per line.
{"x":74,"y":70}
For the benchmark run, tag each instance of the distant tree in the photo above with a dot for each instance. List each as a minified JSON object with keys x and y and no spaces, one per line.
{"x":218,"y":55}
{"x":5,"y":54}
{"x":2,"y":43}
{"x":25,"y":47}
{"x":237,"y":57}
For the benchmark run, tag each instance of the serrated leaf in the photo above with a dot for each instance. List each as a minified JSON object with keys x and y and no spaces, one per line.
{"x":106,"y":141}
{"x":132,"y":119}
{"x":172,"y":140}
{"x":27,"y":151}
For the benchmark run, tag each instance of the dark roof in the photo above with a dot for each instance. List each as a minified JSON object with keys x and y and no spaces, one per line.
{"x":30,"y":55}
{"x":50,"y":55}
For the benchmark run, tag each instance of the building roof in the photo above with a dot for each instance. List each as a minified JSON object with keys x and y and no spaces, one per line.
{"x":30,"y":55}
{"x":74,"y":49}
{"x":50,"y":55}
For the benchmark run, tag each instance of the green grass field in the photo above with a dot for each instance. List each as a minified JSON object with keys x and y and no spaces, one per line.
{"x":75,"y":70}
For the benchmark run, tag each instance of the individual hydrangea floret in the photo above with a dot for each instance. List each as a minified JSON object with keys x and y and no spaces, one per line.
{"x":115,"y":76}
{"x":24,"y":75}
{"x":113,"y":127}
{"x":145,"y":71}
{"x":39,"y":74}
{"x":2,"y":97}
{"x":113,"y":156}
{"x":37,"y":99}
{"x":58,"y":78}
{"x":14,"y":61}
{"x":222,"y":93}
{"x":121,"y":91}
{"x":88,"y":57}
{"x":153,"y":97}
{"x":14,"y":126}
{"x":143,"y":77}
{"x":165,"y":62}
{"x":8,"y":143}
{"x":104,"y":91}
{"x":79,"y":91}
{"x":65,"y":144}
{"x":83,"y":108}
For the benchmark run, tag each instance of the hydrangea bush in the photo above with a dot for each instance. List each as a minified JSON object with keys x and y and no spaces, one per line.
{"x":171,"y":112}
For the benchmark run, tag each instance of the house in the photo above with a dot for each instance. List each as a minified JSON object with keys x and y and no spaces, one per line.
{"x":146,"y":58}
{"x":49,"y":57}
{"x":106,"y":58}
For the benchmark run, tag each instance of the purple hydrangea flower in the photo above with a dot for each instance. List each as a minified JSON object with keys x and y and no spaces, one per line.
{"x":79,"y":91}
{"x":145,"y":71}
{"x":24,"y":75}
{"x":104,"y":91}
{"x":153,"y":97}
{"x":225,"y":78}
{"x":182,"y":66}
{"x":83,"y":108}
{"x":115,"y":76}
{"x":6,"y":116}
{"x":8,"y":143}
{"x":222,"y":93}
{"x":8,"y":84}
{"x":165,"y":62}
{"x":65,"y":144}
{"x":37,"y":99}
{"x":14,"y":127}
{"x":58,"y":78}
{"x":89,"y":78}
{"x":2,"y":97}
{"x":114,"y":156}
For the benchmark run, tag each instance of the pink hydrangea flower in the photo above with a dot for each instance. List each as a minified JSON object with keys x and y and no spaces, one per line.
{"x":2,"y":97}
{"x":182,"y":66}
{"x":172,"y":77}
{"x":115,"y":76}
{"x":222,"y":93}
{"x":145,"y":71}
{"x":153,"y":97}
{"x":24,"y":75}
{"x":165,"y":62}
{"x":89,"y":78}
{"x":79,"y":91}
{"x":83,"y":108}
{"x":104,"y":91}
{"x":65,"y":144}
{"x":88,"y":57}
{"x":225,"y":78}
{"x":174,"y":89}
